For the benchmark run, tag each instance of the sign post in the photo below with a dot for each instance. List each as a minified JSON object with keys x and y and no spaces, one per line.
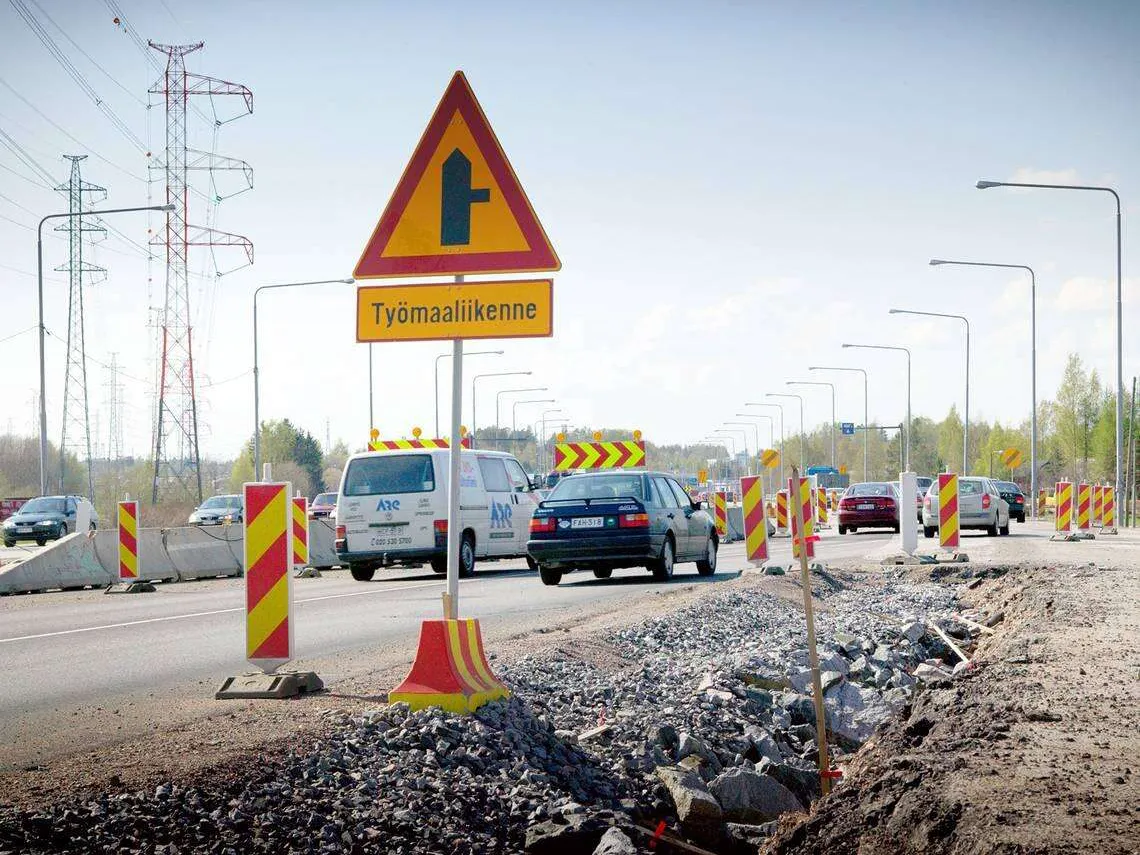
{"x":460,"y":210}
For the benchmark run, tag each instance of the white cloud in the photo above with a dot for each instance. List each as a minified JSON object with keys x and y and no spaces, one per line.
{"x":1083,"y":294}
{"x":1029,"y":175}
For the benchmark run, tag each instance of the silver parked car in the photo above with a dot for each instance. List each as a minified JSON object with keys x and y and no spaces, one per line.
{"x":217,"y":510}
{"x":980,"y":506}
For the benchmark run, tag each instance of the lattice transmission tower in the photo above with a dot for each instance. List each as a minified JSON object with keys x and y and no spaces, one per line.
{"x":114,"y":410}
{"x":75,"y":434}
{"x":176,"y":459}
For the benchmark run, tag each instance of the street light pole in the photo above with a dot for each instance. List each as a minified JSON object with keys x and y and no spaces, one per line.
{"x":832,"y":386}
{"x":966,"y":414}
{"x":756,"y":435}
{"x":771,"y":426}
{"x":802,"y":430}
{"x":985,"y":185}
{"x":448,"y":356}
{"x":257,"y":370}
{"x":779,"y":410}
{"x":906,"y":463}
{"x":866,"y":434}
{"x":515,"y":409}
{"x":42,"y":331}
{"x":501,"y":392}
{"x":934,"y":262}
{"x":480,"y":376}
{"x":545,"y":413}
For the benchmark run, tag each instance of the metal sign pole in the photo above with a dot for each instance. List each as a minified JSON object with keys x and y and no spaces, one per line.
{"x":454,"y":530}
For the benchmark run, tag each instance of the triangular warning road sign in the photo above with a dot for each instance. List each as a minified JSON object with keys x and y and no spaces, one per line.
{"x":459,"y":208}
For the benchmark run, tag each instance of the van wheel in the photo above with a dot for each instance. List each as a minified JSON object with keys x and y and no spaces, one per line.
{"x":663,"y":567}
{"x":467,"y":555}
{"x":843,"y":529}
{"x":928,"y":531}
{"x":439,"y":564}
{"x":603,"y":572}
{"x":549,"y":575}
{"x":361,"y":572}
{"x":707,"y":565}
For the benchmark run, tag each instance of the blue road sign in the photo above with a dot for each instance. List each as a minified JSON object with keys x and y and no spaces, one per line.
{"x":847,"y":428}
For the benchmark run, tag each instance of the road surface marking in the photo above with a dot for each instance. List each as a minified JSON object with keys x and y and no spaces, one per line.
{"x":210,"y":613}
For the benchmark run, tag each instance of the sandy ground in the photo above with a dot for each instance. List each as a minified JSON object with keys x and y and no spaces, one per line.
{"x":1036,"y":750}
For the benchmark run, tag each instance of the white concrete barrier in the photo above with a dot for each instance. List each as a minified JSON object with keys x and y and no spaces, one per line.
{"x":206,"y":551}
{"x":71,"y":562}
{"x":322,"y":534}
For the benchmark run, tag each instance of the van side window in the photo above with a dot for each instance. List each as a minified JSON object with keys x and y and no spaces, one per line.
{"x":519,"y":482}
{"x":494,"y":475}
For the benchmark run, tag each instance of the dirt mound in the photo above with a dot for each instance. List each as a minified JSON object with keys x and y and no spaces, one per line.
{"x":1033,"y":751}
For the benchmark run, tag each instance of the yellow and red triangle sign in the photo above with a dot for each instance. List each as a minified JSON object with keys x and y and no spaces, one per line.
{"x":459,"y":207}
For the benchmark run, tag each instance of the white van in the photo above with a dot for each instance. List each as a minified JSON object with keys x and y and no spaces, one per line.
{"x":392,"y":509}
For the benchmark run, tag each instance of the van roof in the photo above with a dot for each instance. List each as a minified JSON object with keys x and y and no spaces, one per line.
{"x":486,"y":452}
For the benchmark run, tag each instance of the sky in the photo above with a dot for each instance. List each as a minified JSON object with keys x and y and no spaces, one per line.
{"x":735,"y":189}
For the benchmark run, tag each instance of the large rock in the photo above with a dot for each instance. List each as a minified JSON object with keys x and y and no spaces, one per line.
{"x":700,"y":814}
{"x":804,"y":783}
{"x":615,"y":842}
{"x":854,"y":713}
{"x":564,"y":835}
{"x":914,"y":631}
{"x":749,"y":797}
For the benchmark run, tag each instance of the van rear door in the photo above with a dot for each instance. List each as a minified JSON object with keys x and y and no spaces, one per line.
{"x":502,"y":538}
{"x":388,"y":503}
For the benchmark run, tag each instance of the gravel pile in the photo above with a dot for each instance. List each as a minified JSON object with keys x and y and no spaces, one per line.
{"x":707,"y":724}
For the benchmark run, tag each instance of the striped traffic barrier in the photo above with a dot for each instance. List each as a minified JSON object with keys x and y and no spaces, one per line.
{"x":1063,"y":507}
{"x":414,"y":444}
{"x":720,"y":513}
{"x":821,"y":497}
{"x":1042,"y":504}
{"x":1098,"y":504}
{"x":1084,"y":507}
{"x":128,"y":541}
{"x":1109,"y":518}
{"x":803,"y":528}
{"x":267,"y":560}
{"x":450,"y":669}
{"x":782,"y":512}
{"x":616,"y":454}
{"x":948,"y":523}
{"x":755,"y":521}
{"x":300,"y":531}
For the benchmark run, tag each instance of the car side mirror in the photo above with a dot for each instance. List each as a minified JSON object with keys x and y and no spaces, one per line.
{"x":695,"y":504}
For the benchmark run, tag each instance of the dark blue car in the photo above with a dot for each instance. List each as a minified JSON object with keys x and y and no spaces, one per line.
{"x":606,"y":520}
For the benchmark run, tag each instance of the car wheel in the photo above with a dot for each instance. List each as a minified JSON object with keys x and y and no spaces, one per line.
{"x":992,"y":530}
{"x":549,"y":575}
{"x":1021,"y":518}
{"x":843,"y":529}
{"x":531,"y":563}
{"x":361,"y":572}
{"x":9,"y":543}
{"x":895,"y":528}
{"x":1004,"y":530}
{"x":707,"y":565}
{"x":928,"y":531}
{"x":467,"y":555}
{"x":603,"y":572}
{"x":663,"y":567}
{"x":853,"y":529}
{"x":40,"y":541}
{"x":439,"y":564}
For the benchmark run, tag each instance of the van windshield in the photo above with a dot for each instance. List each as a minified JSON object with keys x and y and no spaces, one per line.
{"x":390,"y":473}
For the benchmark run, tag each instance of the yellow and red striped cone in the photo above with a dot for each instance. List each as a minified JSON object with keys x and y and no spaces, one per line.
{"x":268,"y":583}
{"x":128,"y":541}
{"x":450,"y":669}
{"x":1109,"y":518}
{"x":1064,"y":506}
{"x":755,"y":522}
{"x":1084,"y":507}
{"x":720,"y":513}
{"x":948,"y":522}
{"x":782,"y":512}
{"x":1097,"y":504}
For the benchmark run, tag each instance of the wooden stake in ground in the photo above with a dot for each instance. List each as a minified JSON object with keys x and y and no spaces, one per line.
{"x":813,"y":655}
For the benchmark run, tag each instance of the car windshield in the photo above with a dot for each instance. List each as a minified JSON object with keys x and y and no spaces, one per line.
{"x":390,"y":473}
{"x":881,"y":489}
{"x":215,"y":502}
{"x":44,"y":506}
{"x":598,"y":487}
{"x":325,"y":499}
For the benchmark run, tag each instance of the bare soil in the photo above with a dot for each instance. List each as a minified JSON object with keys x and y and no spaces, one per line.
{"x":1035,"y":750}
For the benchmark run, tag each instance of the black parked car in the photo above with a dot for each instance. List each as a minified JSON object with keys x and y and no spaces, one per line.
{"x":1014,"y":498}
{"x":46,"y":518}
{"x":606,"y":520}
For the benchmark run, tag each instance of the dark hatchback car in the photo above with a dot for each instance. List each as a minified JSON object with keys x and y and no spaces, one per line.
{"x":46,"y":518}
{"x":606,"y":520}
{"x":874,"y":504}
{"x":1014,"y":498}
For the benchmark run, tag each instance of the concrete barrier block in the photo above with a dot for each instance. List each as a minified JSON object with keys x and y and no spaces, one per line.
{"x":71,"y":562}
{"x":322,"y":534}
{"x":200,"y":552}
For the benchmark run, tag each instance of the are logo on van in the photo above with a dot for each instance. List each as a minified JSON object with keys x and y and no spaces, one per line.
{"x":500,"y":515}
{"x":388,"y":505}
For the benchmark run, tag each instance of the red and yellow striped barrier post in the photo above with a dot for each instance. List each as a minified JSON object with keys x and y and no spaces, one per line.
{"x":1109,"y":518}
{"x":268,"y":583}
{"x":450,"y":670}
{"x":1097,"y":504}
{"x":802,"y":517}
{"x":300,"y":528}
{"x":948,"y":523}
{"x":782,"y":512}
{"x":1042,"y":504}
{"x":1064,"y":507}
{"x":720,"y":513}
{"x":1084,"y":507}
{"x":755,"y":522}
{"x":821,"y":496}
{"x":128,"y":541}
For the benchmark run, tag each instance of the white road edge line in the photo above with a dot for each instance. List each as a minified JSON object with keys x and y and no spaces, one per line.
{"x":207,"y":614}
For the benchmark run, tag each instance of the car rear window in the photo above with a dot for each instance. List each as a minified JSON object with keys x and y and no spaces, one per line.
{"x":390,"y":473}
{"x":883,"y":489}
{"x":325,"y":499}
{"x":970,"y":488}
{"x":599,"y":487}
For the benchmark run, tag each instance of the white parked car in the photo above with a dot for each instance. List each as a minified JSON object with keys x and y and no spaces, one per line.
{"x":391,"y":509}
{"x":980,"y":506}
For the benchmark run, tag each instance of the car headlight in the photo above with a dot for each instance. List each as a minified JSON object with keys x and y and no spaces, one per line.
{"x":46,"y":523}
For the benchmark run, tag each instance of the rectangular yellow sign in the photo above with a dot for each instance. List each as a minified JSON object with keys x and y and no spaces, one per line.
{"x":514,"y":309}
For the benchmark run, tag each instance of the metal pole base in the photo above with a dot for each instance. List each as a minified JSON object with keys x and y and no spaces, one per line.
{"x":138,"y":587}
